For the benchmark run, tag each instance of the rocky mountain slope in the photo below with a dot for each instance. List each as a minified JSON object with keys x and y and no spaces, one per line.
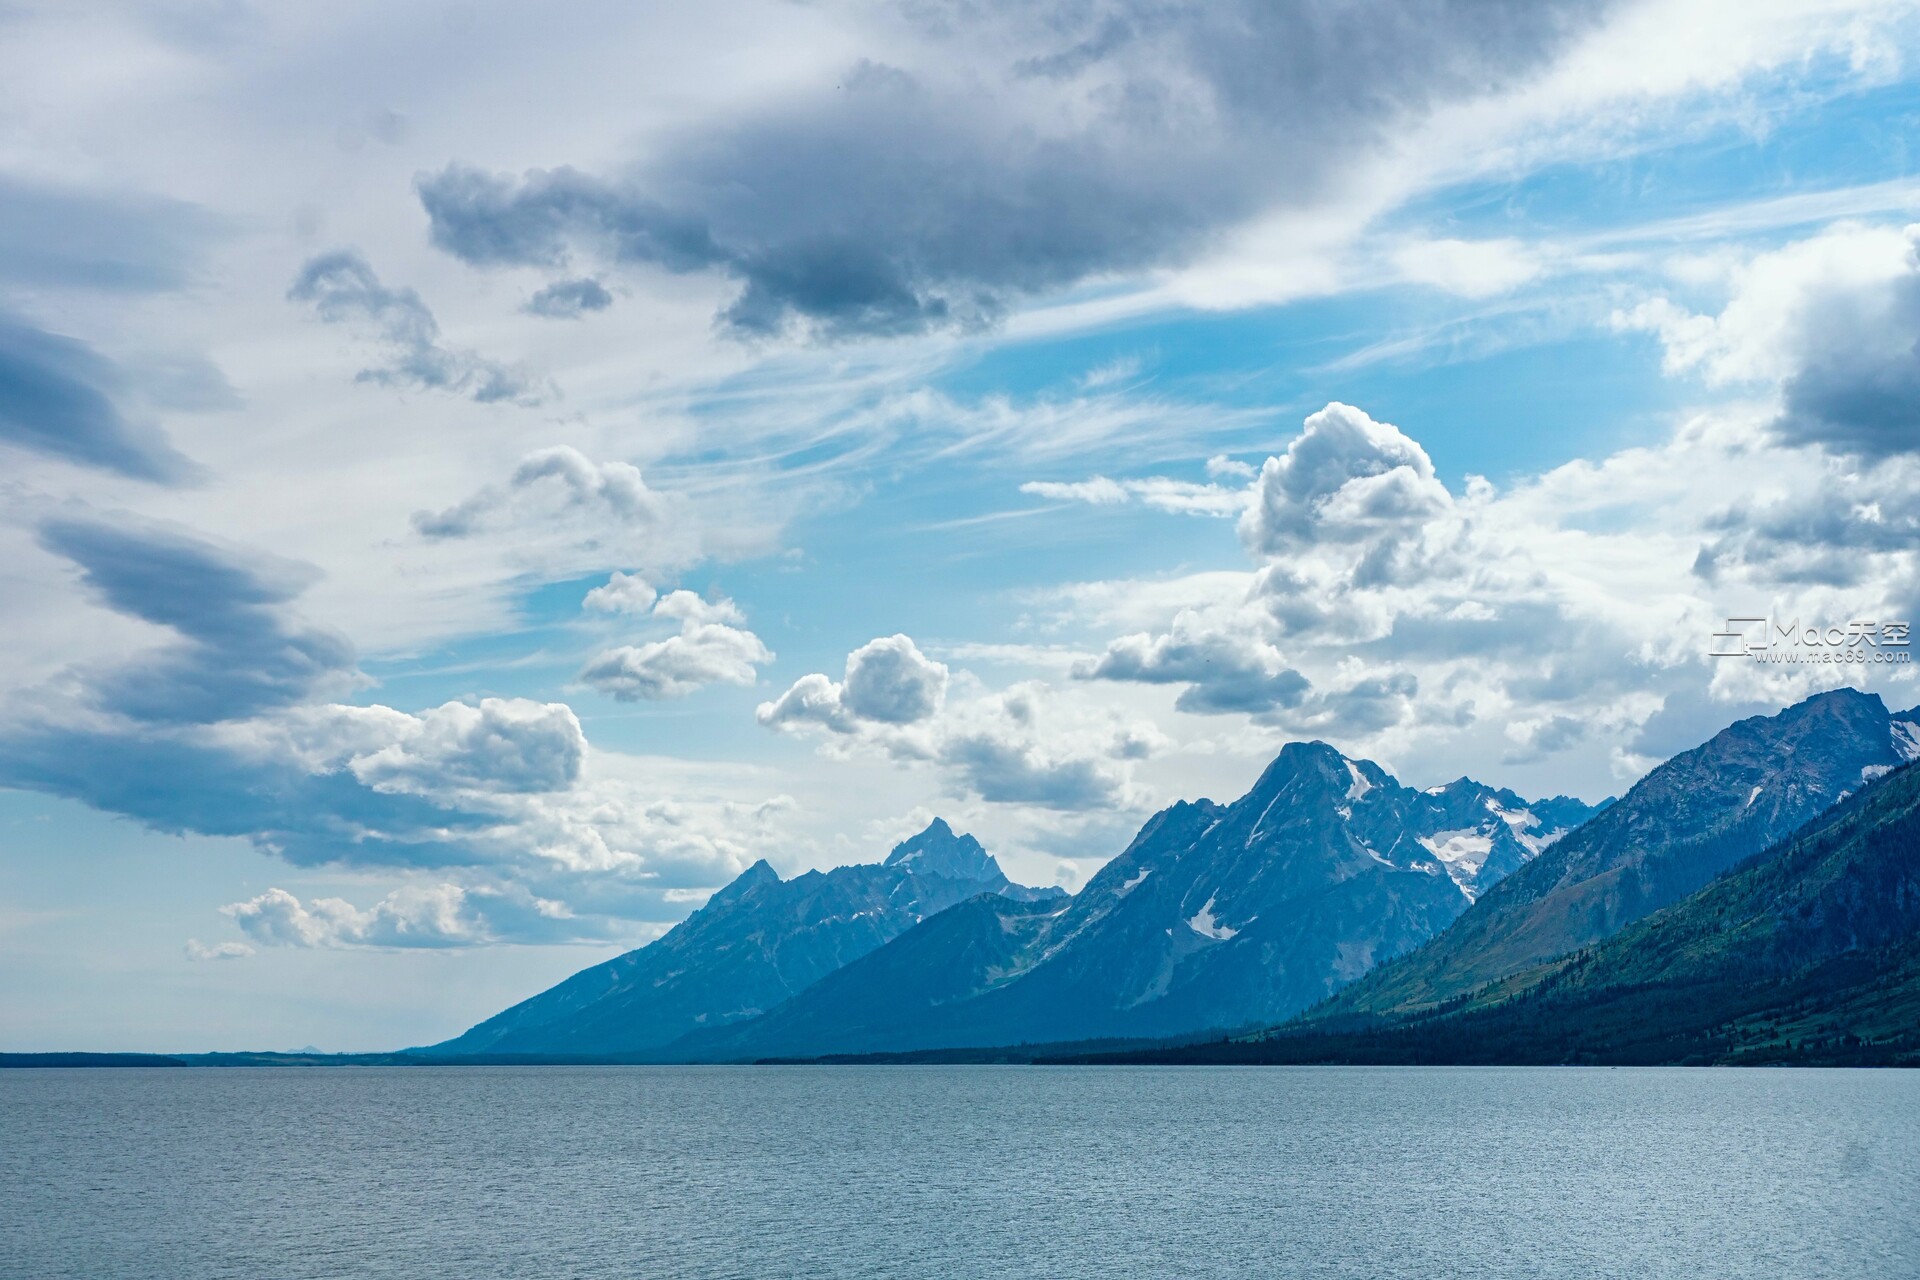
{"x":1808,"y":953}
{"x":1215,"y":916}
{"x":1686,"y":822}
{"x":756,"y":943}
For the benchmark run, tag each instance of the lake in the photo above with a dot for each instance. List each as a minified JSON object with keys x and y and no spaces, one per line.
{"x":478,"y":1172}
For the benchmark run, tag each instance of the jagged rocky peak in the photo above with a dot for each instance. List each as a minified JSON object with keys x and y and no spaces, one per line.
{"x":1305,"y":760}
{"x":1475,"y":832}
{"x":1906,"y":735}
{"x":1305,"y":774}
{"x":757,"y":876}
{"x":939,"y":851}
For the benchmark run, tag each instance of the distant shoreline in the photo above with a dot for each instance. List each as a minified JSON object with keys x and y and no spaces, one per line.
{"x":986,"y":1057}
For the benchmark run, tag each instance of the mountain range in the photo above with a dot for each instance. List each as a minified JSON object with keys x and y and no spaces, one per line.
{"x":1683,"y":824}
{"x":755,"y":943}
{"x":1808,"y":953}
{"x":1330,"y":894}
{"x":1216,"y":915}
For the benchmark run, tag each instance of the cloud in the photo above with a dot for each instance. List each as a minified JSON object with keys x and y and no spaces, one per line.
{"x":343,"y":289}
{"x":888,"y":681}
{"x":1345,"y":478}
{"x":1831,"y":321}
{"x":64,"y":236}
{"x":1548,"y":735}
{"x":556,"y":481}
{"x":569,"y":299}
{"x":435,"y":916}
{"x":1001,"y":770}
{"x":239,"y":650}
{"x":938,"y":194}
{"x":1098,"y":492}
{"x":501,"y":744}
{"x":1470,"y":268}
{"x":1552,"y":618}
{"x":59,"y":397}
{"x":1161,"y":493}
{"x":708,"y":650}
{"x":621,"y":593}
{"x":227,"y":729}
{"x":198,"y":950}
{"x":560,"y":514}
{"x":1224,"y":669}
{"x":1022,"y":745}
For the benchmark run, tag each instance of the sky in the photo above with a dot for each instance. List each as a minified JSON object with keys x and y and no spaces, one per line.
{"x":475,"y":477}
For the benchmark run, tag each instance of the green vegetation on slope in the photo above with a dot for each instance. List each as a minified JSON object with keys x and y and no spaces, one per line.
{"x":1807,"y":954}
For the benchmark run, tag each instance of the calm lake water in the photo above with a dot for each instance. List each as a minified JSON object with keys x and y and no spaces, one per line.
{"x":958,"y":1172}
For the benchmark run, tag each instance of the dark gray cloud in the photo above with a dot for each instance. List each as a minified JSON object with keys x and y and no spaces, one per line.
{"x":569,"y":299}
{"x":896,"y":202}
{"x":343,"y":289}
{"x":1858,"y":399}
{"x":1224,"y":671}
{"x":1854,"y":382}
{"x":135,"y":739}
{"x":179,"y":785}
{"x":230,"y":728}
{"x":60,"y":397}
{"x":1002,"y":770}
{"x":240,"y":650}
{"x":1368,"y":706}
{"x":1848,"y":538}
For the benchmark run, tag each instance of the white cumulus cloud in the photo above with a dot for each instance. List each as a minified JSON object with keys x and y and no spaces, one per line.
{"x":710,"y":649}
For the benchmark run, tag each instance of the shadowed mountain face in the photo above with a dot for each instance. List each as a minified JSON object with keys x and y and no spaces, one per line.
{"x":1679,"y":827}
{"x":1809,"y":953}
{"x":1216,"y":915}
{"x":755,"y":943}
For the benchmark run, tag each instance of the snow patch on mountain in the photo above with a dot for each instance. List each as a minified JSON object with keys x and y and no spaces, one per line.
{"x":1204,"y":924}
{"x":1463,"y":853}
{"x":1525,"y":825}
{"x":1360,"y":785}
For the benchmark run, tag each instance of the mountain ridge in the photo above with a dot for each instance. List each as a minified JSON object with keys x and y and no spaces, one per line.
{"x":1687,"y":821}
{"x":755,"y":943}
{"x":1213,"y":915}
{"x":1806,"y":953}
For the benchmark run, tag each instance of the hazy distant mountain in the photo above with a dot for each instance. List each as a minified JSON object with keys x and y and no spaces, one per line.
{"x":1215,"y":916}
{"x":1809,"y":953}
{"x":1679,"y":827}
{"x":754,"y":944}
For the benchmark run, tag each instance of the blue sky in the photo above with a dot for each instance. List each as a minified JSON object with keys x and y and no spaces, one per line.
{"x":472,"y":484}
